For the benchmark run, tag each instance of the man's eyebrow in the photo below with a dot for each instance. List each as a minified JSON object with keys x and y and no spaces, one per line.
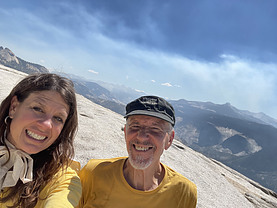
{"x":133,"y":122}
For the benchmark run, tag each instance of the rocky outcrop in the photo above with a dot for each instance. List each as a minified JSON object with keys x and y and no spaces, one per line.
{"x":9,"y":59}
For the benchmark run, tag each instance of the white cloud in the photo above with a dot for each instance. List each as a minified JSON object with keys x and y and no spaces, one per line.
{"x":94,"y":72}
{"x":139,"y":91}
{"x":166,"y":84}
{"x":153,"y":80}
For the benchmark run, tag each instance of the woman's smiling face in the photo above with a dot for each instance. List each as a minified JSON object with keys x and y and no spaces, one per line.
{"x":37,"y":121}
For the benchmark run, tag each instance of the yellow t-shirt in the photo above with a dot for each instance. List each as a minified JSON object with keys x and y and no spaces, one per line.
{"x":64,"y":191}
{"x":104,"y":185}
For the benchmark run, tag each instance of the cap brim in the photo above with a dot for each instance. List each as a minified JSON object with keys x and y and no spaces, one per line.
{"x":149,"y":113}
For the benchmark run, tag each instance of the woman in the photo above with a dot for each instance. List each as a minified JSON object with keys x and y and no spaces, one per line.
{"x":38,"y":121}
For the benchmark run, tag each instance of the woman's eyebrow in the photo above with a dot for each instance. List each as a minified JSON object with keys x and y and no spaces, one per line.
{"x":63,"y":115}
{"x":39,"y":100}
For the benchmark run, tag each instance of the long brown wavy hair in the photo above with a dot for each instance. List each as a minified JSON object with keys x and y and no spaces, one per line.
{"x":49,"y":161}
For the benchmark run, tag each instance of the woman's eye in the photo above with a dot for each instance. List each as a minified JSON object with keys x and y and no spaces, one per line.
{"x":38,"y":109}
{"x":59,"y":119}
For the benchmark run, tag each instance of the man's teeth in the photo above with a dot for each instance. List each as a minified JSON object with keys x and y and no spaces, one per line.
{"x":35,"y":136}
{"x":140,"y":148}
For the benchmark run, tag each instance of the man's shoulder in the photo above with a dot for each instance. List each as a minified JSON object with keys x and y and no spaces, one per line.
{"x":176,"y":178}
{"x":102,"y":163}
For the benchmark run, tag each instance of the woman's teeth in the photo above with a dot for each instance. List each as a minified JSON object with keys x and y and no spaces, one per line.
{"x":35,"y":136}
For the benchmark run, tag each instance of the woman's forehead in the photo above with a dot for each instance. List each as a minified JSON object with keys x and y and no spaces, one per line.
{"x":47,"y":97}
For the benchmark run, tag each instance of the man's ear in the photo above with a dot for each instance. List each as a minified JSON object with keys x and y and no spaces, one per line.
{"x":14,"y":104}
{"x":170,"y":139}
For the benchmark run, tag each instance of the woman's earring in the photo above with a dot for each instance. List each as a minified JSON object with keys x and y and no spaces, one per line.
{"x":6,"y":120}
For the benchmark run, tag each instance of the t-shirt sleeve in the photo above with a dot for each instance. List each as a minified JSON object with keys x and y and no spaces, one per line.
{"x":86,"y":180}
{"x":62,"y":192}
{"x":189,"y":196}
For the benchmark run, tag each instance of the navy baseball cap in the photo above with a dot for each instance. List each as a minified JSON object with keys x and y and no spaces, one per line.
{"x":151,"y":106}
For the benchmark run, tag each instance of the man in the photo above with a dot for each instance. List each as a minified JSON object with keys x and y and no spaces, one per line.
{"x":139,"y":180}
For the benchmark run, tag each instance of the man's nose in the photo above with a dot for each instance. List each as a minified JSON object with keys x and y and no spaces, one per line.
{"x":143,"y":133}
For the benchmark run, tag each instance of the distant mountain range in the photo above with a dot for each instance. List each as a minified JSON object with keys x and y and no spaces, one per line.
{"x":237,"y":138}
{"x":243,"y":140}
{"x":111,"y":96}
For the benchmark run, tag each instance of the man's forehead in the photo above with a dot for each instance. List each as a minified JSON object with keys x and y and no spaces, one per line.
{"x":145,"y":118}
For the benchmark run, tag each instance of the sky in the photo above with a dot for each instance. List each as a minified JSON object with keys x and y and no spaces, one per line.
{"x":219,"y":51}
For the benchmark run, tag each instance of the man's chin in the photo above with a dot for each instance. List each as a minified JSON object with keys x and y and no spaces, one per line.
{"x":139,"y":163}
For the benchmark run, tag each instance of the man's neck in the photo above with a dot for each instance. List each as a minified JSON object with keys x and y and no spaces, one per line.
{"x":145,"y":180}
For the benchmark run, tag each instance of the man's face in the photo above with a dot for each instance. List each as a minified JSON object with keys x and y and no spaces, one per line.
{"x":146,"y":139}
